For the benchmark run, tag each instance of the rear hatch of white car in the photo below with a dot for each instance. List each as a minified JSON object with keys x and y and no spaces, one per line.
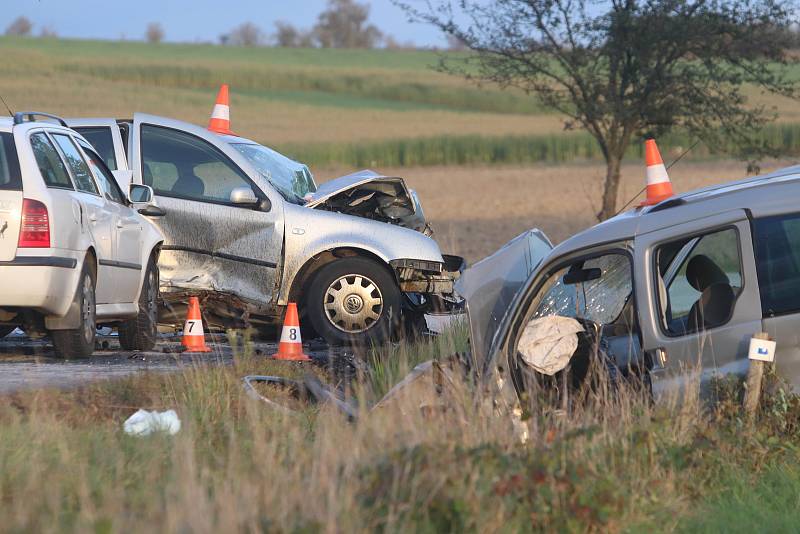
{"x":10,"y":197}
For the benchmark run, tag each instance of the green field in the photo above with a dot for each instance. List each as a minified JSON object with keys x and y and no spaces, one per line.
{"x":324,"y":106}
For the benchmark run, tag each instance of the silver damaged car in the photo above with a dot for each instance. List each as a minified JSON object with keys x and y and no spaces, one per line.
{"x":249,"y":230}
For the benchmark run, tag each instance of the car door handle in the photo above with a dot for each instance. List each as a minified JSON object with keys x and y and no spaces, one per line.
{"x":119,"y":224}
{"x":92,"y":218}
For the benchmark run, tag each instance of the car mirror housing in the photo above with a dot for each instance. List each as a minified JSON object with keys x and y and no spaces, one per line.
{"x":143,"y":200}
{"x":243,"y":196}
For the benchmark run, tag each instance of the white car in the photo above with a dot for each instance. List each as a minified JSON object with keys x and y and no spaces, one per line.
{"x":74,"y":250}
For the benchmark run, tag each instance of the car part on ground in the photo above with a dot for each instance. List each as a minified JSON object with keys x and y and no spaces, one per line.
{"x":290,"y":396}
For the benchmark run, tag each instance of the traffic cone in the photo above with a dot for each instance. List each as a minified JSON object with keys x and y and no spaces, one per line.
{"x":290,"y":346}
{"x":221,"y":114}
{"x":658,"y":185}
{"x":194,"y":338}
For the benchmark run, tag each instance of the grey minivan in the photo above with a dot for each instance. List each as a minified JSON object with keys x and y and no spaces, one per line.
{"x":661,"y":289}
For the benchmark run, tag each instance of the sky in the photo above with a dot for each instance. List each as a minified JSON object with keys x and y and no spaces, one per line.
{"x":195,"y":20}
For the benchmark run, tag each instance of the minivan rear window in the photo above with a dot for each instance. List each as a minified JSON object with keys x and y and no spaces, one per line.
{"x":10,"y":178}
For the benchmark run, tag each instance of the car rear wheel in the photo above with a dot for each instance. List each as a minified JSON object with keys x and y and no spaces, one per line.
{"x":141,"y":332}
{"x":353,"y":301}
{"x":79,"y":342}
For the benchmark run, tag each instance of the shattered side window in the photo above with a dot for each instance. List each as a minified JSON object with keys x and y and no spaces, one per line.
{"x":595,"y":289}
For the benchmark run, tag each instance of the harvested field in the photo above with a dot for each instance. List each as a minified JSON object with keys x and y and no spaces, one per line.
{"x":474,"y":210}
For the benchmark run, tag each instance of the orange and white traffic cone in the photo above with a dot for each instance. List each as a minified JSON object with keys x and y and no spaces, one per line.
{"x":221,"y":114}
{"x":290,"y":346}
{"x":194,"y":338}
{"x":658,"y":185}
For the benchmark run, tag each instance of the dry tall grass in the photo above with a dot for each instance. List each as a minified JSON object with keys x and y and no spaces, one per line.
{"x":614,"y":464}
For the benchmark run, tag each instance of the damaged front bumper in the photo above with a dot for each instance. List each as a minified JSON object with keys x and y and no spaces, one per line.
{"x":434,"y":280}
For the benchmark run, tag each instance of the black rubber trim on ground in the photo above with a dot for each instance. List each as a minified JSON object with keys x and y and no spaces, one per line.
{"x":41,"y":261}
{"x":121,"y":264}
{"x":222,"y":255}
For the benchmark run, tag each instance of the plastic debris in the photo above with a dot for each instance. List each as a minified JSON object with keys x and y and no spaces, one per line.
{"x":144,"y":423}
{"x":548,"y":343}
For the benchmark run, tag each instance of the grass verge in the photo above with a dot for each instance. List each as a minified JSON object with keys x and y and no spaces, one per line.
{"x":617,"y":463}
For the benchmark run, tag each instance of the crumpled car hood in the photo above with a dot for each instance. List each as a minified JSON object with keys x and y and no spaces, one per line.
{"x":373,"y":196}
{"x":489,"y":287}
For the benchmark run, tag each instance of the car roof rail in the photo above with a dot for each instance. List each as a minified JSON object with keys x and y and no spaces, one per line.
{"x":20,"y":117}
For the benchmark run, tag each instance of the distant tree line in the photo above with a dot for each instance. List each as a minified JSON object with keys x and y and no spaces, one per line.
{"x":343,"y":24}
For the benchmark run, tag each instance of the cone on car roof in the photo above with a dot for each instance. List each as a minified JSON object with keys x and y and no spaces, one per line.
{"x":221,"y":114}
{"x":658,"y":185}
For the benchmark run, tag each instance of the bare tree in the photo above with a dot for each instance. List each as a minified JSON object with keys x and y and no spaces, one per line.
{"x":287,"y":36}
{"x":246,"y":34}
{"x":21,"y":27}
{"x":344,"y":25}
{"x":48,"y":32}
{"x":154,"y":33}
{"x":622,"y":69}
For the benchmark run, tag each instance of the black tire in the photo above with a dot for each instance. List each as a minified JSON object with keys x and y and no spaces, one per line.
{"x":79,"y":342}
{"x":370,"y":324}
{"x":141,"y":332}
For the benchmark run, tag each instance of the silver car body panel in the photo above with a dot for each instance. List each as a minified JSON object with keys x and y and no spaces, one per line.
{"x":216,"y":247}
{"x":310,"y":232}
{"x":247,"y":258}
{"x":720,"y":350}
{"x":489,"y":286}
{"x":371,"y":195}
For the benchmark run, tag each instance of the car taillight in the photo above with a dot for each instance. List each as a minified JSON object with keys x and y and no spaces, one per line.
{"x":34,"y":232}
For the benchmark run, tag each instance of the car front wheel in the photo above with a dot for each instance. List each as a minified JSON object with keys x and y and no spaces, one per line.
{"x":79,"y":342}
{"x":140,"y":333}
{"x":353,"y":301}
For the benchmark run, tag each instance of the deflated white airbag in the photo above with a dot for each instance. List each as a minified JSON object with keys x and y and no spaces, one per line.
{"x":548,"y":343}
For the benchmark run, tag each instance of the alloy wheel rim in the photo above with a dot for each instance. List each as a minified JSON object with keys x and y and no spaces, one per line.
{"x":353,"y":303}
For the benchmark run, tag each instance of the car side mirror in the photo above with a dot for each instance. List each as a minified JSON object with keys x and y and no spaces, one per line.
{"x":143,"y":200}
{"x":243,"y":196}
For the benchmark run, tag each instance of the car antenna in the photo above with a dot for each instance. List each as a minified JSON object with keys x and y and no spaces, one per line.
{"x":676,"y":160}
{"x":6,"y":105}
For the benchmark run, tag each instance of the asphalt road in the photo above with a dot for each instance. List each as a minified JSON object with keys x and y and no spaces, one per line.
{"x":30,"y":364}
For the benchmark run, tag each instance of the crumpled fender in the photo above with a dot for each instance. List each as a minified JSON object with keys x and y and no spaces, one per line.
{"x":310,"y":232}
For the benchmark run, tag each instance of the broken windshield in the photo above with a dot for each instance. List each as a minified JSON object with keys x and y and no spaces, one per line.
{"x":596,"y":289}
{"x":293,"y":180}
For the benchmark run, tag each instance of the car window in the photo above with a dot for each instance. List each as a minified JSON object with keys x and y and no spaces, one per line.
{"x":179,"y":164}
{"x":108,"y":184}
{"x":102,"y":140}
{"x":53,"y":170}
{"x":596,"y":289}
{"x":777,"y":247}
{"x":9,"y":164}
{"x":80,"y":170}
{"x":293,"y":180}
{"x":701,"y":277}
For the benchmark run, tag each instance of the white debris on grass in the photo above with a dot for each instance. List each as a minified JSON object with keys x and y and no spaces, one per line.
{"x":144,"y":423}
